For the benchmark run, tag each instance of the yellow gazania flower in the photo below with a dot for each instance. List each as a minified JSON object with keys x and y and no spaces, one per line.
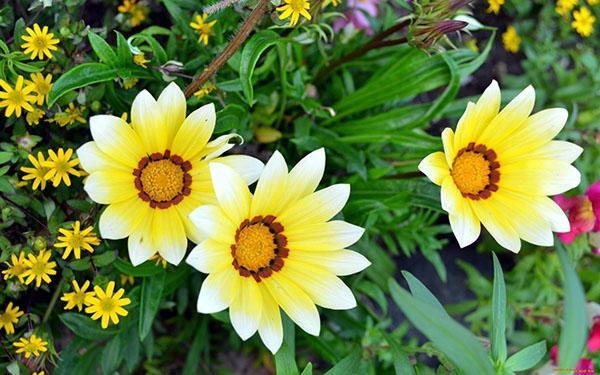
{"x":79,"y":297}
{"x":16,"y":99}
{"x":511,"y":40}
{"x":60,"y":165}
{"x":140,"y":59}
{"x":583,"y":22}
{"x":494,"y":6}
{"x":76,"y":239}
{"x":499,"y":168}
{"x":127,"y":279}
{"x":9,"y":318}
{"x":17,"y":268}
{"x":202,"y":27}
{"x":107,"y":305}
{"x":276,"y":248}
{"x":39,"y":268}
{"x":154,"y":172}
{"x":32,"y":346}
{"x":39,"y":42}
{"x":295,"y":9}
{"x":41,"y":86}
{"x":34,"y":117}
{"x":563,"y":7}
{"x":38,"y":172}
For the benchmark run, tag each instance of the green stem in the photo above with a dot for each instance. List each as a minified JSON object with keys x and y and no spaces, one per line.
{"x":53,"y":301}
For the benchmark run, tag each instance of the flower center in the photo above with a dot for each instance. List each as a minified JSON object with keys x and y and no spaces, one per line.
{"x":40,"y":42}
{"x":162,"y":179}
{"x":38,"y":268}
{"x":76,"y":240}
{"x":259,"y":247}
{"x":43,"y":88}
{"x":475,"y":171}
{"x":16,"y":97}
{"x":108,"y":305}
{"x":298,"y":5}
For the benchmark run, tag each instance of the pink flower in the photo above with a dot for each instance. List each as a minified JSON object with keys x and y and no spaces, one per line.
{"x":593,"y":193}
{"x":584,"y":366}
{"x":356,"y":15}
{"x":593,"y":343}
{"x":581,"y":216}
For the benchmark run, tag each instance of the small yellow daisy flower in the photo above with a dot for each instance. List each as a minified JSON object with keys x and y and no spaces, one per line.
{"x":69,"y":116}
{"x":32,"y":346}
{"x":9,"y":318}
{"x":16,"y":99}
{"x":583,"y":22}
{"x":135,"y":9}
{"x":563,"y":7}
{"x":275,"y":248}
{"x":511,"y":40}
{"x":34,"y":117}
{"x":38,"y":172}
{"x":41,"y":86}
{"x":203,"y":28}
{"x":593,"y":2}
{"x":60,"y":166}
{"x":158,"y":260}
{"x":494,"y":6}
{"x":39,"y":42}
{"x":499,"y":168}
{"x":39,"y":268}
{"x":127,"y":279}
{"x":295,"y":9}
{"x":140,"y":59}
{"x":17,"y":268}
{"x":76,"y":240}
{"x":205,"y":90}
{"x":38,"y":373}
{"x":78,"y":297}
{"x":107,"y":305}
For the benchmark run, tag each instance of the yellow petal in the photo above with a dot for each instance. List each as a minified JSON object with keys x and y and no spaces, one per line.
{"x":497,"y":224}
{"x":271,"y":187}
{"x":247,"y":167}
{"x":169,"y":235}
{"x":210,"y":256}
{"x":147,"y":121}
{"x":110,"y":187}
{"x":270,"y":327}
{"x":464,"y":223}
{"x":478,"y":116}
{"x":539,"y":177}
{"x":116,"y":139}
{"x":435,"y":167}
{"x":231,"y":191}
{"x":140,"y":244}
{"x":332,"y":235}
{"x":448,"y":142}
{"x":122,"y":218}
{"x":338,"y":262}
{"x":316,"y":207}
{"x":193,"y":135}
{"x":218,"y":290}
{"x":172,"y":108}
{"x":304,"y":178}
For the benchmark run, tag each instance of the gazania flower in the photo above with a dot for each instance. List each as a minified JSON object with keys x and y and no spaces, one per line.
{"x":203,"y":28}
{"x":499,"y":168}
{"x":16,"y":99}
{"x":38,"y":172}
{"x":276,"y":248}
{"x":294,"y":9}
{"x":39,"y":42}
{"x":32,"y":346}
{"x":39,"y":268}
{"x":41,"y":86}
{"x":9,"y":318}
{"x":511,"y":40}
{"x":154,"y":172}
{"x":16,"y":268}
{"x":107,"y":305}
{"x":78,"y":297}
{"x":60,"y":165}
{"x":77,"y":239}
{"x":583,"y":22}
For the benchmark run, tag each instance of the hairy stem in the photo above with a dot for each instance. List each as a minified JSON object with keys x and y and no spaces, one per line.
{"x":230,"y":49}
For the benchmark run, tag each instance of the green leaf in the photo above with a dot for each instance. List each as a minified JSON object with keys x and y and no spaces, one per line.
{"x":83,"y":326}
{"x":573,"y":336}
{"x":104,"y":259}
{"x":285,"y":358}
{"x":526,"y":358}
{"x":459,"y":344}
{"x":348,"y":365}
{"x":420,"y":291}
{"x":80,"y":76}
{"x":401,"y":362}
{"x":498,"y":320}
{"x":308,"y":369}
{"x":198,"y":344}
{"x":143,"y":270}
{"x":152,"y":289}
{"x":232,"y":116}
{"x":124,"y":55}
{"x":111,"y":355}
{"x":102,"y":49}
{"x":5,"y":156}
{"x":250,"y":55}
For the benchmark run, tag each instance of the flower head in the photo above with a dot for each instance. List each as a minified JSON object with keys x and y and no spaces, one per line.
{"x":276,"y":248}
{"x":583,"y":22}
{"x":499,"y":168}
{"x":77,"y":239}
{"x":203,"y":28}
{"x":32,"y":346}
{"x":9,"y":318}
{"x":153,"y":172}
{"x":294,"y":9}
{"x":494,"y":6}
{"x":511,"y":40}
{"x":107,"y":305}
{"x":39,"y":268}
{"x":60,"y":165}
{"x":38,"y":172}
{"x":136,"y":10}
{"x":41,"y":86}
{"x":39,"y":42}
{"x":16,"y":99}
{"x":69,"y":116}
{"x":79,"y":297}
{"x":563,"y":7}
{"x":581,"y":216}
{"x":34,"y":117}
{"x":16,"y":268}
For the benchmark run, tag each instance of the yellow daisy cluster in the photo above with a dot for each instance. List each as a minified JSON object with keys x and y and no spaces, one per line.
{"x":70,"y":115}
{"x":32,"y":346}
{"x":583,"y":22}
{"x":293,"y":9}
{"x":76,"y":239}
{"x":563,"y":7}
{"x":39,"y":43}
{"x":511,"y":40}
{"x":494,"y":6}
{"x":136,"y":11}
{"x":203,"y":28}
{"x":25,"y":95}
{"x":28,"y":268}
{"x":56,"y":168}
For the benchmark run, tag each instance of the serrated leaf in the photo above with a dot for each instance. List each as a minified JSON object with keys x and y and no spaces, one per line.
{"x":80,"y":76}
